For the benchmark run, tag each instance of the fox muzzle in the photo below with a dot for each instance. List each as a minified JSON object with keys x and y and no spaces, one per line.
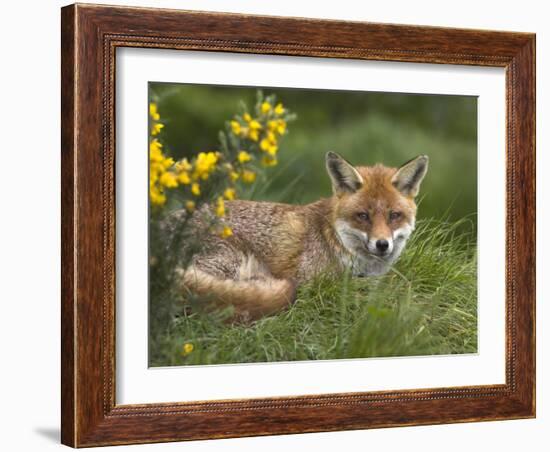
{"x":380,"y":246}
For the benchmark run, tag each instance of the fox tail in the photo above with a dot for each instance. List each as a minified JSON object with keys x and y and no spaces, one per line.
{"x":254,"y":293}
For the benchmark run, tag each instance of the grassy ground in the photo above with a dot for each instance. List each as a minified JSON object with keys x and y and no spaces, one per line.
{"x":427,"y":305}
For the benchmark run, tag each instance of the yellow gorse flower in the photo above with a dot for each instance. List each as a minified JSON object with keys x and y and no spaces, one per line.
{"x":196,"y":189}
{"x":157,"y":197}
{"x":265,"y":108}
{"x":187,"y":348}
{"x":244,"y":157}
{"x":155,"y":149}
{"x":236,"y":127}
{"x":205,"y":164}
{"x":254,"y":125}
{"x":226,"y":232}
{"x":269,"y":143}
{"x":220,"y":207}
{"x":277,"y":125}
{"x":160,"y":178}
{"x":157,"y":127}
{"x":252,"y":132}
{"x":184,"y":178}
{"x":279,"y":109}
{"x":153,"y":111}
{"x":168,"y":162}
{"x":168,"y":180}
{"x":230,"y":194}
{"x":268,"y":147}
{"x":281,"y":126}
{"x":190,"y":206}
{"x":264,"y":144}
{"x":183,"y":165}
{"x":269,"y":161}
{"x":248,"y":176}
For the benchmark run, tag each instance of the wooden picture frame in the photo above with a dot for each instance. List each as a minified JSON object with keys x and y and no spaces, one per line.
{"x":90,"y":36}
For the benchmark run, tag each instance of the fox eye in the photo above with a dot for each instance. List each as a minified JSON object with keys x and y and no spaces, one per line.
{"x":395,"y":215}
{"x":363,"y":216}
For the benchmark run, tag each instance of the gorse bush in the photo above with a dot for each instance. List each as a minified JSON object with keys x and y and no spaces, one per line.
{"x":248,"y":144}
{"x":364,"y":127}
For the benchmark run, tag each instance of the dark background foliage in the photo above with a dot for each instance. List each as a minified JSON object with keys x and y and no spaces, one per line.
{"x":364,"y":127}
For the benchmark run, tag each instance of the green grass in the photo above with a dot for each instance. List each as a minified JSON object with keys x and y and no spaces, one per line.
{"x":426,"y":305}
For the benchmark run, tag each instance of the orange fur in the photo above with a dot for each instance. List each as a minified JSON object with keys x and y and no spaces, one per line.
{"x":275,"y":247}
{"x":250,"y":298}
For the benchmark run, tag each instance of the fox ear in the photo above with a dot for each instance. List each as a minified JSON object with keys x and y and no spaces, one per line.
{"x":408,"y":177}
{"x":345,"y":178}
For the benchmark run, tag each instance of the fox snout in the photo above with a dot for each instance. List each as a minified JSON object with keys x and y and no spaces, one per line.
{"x":380,"y":237}
{"x":380,"y":246}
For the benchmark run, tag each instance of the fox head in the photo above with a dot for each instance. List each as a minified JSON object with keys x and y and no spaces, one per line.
{"x":374,"y":210}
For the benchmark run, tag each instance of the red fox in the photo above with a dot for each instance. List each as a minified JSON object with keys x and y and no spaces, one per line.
{"x":363,"y":227}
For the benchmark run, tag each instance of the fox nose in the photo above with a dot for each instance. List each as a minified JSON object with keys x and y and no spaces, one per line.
{"x":382,"y":245}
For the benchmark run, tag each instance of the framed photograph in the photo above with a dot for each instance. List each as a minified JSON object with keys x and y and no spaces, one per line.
{"x":281,"y":225}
